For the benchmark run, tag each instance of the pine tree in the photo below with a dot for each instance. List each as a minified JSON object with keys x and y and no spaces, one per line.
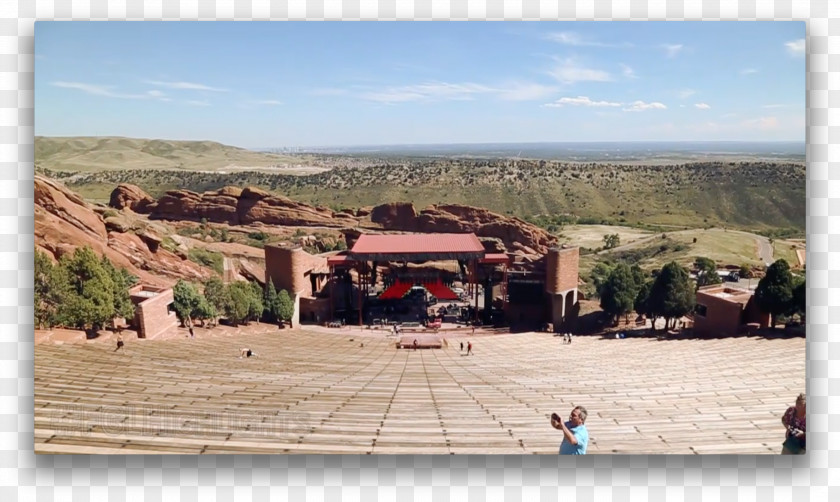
{"x":270,"y":302}
{"x":774,"y":293}
{"x":285,"y":306}
{"x":671,"y":295}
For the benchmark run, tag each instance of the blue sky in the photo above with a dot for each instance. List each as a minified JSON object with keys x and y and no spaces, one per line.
{"x":348,"y":83}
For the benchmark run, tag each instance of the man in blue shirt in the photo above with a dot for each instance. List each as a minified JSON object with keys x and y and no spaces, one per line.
{"x":575,"y":435}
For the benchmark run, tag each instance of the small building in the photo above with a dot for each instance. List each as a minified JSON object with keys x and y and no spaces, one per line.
{"x":726,"y":311}
{"x":154,"y":310}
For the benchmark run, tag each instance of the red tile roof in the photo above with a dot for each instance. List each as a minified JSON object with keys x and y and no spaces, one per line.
{"x":417,"y":246}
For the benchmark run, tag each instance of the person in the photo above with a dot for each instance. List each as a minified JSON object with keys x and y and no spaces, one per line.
{"x":794,"y":422}
{"x":469,"y":348}
{"x":120,"y":342}
{"x":246,"y":352}
{"x":575,"y":434}
{"x":192,"y":334}
{"x":415,"y":344}
{"x":462,"y":346}
{"x":570,"y":338}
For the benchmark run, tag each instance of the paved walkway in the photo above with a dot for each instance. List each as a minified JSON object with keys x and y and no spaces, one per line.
{"x":310,"y":392}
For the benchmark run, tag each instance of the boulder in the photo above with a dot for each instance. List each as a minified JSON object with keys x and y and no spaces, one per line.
{"x":395,"y":216}
{"x":64,"y":205}
{"x":131,"y":197}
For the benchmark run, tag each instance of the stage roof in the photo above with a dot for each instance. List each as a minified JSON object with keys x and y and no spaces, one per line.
{"x":417,"y":247}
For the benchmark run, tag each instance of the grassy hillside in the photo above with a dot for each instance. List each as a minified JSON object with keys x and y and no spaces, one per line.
{"x":759,"y":196}
{"x":93,"y":154}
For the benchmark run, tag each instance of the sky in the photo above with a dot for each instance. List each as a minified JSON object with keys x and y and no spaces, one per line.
{"x":306,"y":84}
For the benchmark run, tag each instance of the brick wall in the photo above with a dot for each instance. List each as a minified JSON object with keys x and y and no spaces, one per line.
{"x":287,"y":268}
{"x":723,"y":316}
{"x":153,"y":317}
{"x":562,"y":269}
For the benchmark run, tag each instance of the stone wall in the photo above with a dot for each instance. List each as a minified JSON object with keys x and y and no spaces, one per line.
{"x":151,"y":315}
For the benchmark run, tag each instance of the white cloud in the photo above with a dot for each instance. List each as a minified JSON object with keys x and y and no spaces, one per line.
{"x":796,"y":47}
{"x":638,"y":106}
{"x":686,"y":93}
{"x":190,"y":86}
{"x":671,"y":50}
{"x":197,"y":103}
{"x":628,"y":71}
{"x":327,"y":91}
{"x":580,"y":101}
{"x":568,"y":72}
{"x":445,"y":91}
{"x":575,"y":39}
{"x":523,"y":91}
{"x":702,"y":106}
{"x":762,"y":123}
{"x":108,"y":91}
{"x":269,"y":102}
{"x":427,"y":91}
{"x":774,"y":106}
{"x":748,"y":71}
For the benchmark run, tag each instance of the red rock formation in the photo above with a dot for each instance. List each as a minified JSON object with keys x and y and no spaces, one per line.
{"x":517,"y":235}
{"x":64,"y":222}
{"x":236,"y":206}
{"x":395,"y":216}
{"x":132,"y":197}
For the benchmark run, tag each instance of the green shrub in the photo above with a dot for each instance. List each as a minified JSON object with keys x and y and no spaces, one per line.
{"x":210,"y":259}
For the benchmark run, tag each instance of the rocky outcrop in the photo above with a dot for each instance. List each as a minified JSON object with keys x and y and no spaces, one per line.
{"x":67,"y":207}
{"x":131,"y":197}
{"x":64,"y":222}
{"x":515,"y":234}
{"x":395,"y":216}
{"x":236,"y":206}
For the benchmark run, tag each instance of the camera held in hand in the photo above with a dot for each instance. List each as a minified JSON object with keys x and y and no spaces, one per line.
{"x":555,"y":417}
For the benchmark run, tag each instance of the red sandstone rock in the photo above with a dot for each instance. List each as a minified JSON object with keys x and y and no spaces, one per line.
{"x":132,"y":197}
{"x":68,"y":207}
{"x":395,"y":216}
{"x":64,"y":222}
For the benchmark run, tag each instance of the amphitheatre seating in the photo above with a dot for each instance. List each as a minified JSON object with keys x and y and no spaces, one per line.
{"x":322,"y":392}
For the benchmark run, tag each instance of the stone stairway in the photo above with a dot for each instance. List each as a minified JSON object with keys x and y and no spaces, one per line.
{"x":310,"y":392}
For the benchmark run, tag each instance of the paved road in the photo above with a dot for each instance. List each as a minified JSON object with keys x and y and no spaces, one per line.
{"x":765,"y":249}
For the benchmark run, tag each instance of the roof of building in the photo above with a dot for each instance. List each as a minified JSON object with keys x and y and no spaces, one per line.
{"x":495,"y":258}
{"x":417,"y":247}
{"x":727,"y":293}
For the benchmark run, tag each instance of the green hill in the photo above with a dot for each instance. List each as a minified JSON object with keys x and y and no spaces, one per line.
{"x":760,"y":196}
{"x":93,"y":154}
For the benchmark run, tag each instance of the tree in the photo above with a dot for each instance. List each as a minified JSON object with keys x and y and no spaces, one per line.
{"x":774,"y":292}
{"x":122,"y":282}
{"x":49,"y":291}
{"x":242,"y":303}
{"x":599,"y":274}
{"x":187,"y":300}
{"x":285,"y":306}
{"x":270,"y":302}
{"x":204,"y":310}
{"x":217,"y":294}
{"x":799,"y":293}
{"x":611,"y":241}
{"x":256,"y":307}
{"x":706,"y":272}
{"x":671,"y":295}
{"x":618,"y":293}
{"x":93,"y":291}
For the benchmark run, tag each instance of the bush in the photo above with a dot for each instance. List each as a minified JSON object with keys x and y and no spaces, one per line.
{"x":210,"y":259}
{"x":110,"y":213}
{"x":258,"y":236}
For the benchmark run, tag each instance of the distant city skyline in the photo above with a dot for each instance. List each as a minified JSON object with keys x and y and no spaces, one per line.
{"x":308,"y":84}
